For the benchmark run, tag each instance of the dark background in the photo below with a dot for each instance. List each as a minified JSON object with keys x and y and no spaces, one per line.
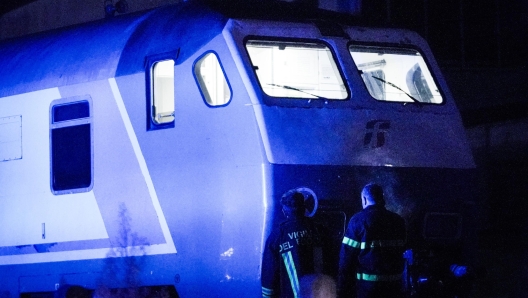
{"x":482,"y":49}
{"x":468,"y":32}
{"x":8,"y":5}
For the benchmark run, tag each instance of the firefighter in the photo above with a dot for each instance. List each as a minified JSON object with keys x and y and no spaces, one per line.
{"x":371,"y":258}
{"x":292,"y":251}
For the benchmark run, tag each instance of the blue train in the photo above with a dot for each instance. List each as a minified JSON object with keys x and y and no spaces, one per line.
{"x":150,"y":150}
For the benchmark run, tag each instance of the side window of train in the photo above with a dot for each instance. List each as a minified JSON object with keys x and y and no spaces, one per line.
{"x":395,"y":74}
{"x":71,"y":145}
{"x":160,"y":91}
{"x":211,"y":80}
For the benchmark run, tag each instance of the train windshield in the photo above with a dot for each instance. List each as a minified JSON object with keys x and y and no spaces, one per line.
{"x":395,"y":74}
{"x":296,"y":70}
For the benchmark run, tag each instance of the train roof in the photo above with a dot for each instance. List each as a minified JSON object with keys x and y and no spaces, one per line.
{"x":118,"y":46}
{"x":103,"y":49}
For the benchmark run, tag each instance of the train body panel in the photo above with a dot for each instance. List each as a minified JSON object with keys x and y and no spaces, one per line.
{"x":97,"y":188}
{"x":340,"y":127}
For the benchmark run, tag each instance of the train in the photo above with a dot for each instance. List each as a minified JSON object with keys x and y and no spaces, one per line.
{"x":150,"y":150}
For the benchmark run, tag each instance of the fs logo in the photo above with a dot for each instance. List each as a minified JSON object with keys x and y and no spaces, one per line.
{"x":375,"y":135}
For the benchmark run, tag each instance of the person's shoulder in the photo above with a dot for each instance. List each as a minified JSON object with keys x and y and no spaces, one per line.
{"x":292,"y":225}
{"x":396,"y":217}
{"x":290,"y":222}
{"x":318,"y":227}
{"x":358,"y":217}
{"x":309,"y":224}
{"x":275,"y":234}
{"x":362,"y":213}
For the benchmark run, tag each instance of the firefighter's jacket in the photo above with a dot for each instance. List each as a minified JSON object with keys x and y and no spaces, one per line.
{"x":292,"y":251}
{"x":371,"y":257}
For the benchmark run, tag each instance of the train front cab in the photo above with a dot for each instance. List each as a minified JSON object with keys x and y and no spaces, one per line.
{"x":323,"y":115}
{"x":339,"y":107}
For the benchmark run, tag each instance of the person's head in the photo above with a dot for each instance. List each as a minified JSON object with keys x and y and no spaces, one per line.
{"x":293,"y":204}
{"x":372,"y":194}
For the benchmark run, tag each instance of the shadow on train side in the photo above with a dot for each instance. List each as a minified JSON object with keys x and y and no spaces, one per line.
{"x":155,"y":147}
{"x":127,"y":271}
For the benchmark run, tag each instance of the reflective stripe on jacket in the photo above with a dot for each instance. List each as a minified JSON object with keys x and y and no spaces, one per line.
{"x":376,"y":277}
{"x":372,"y":244}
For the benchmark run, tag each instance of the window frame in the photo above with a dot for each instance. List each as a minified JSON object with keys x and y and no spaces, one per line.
{"x":294,"y":101}
{"x":70,"y":123}
{"x":396,"y":47}
{"x":150,"y":61}
{"x":199,"y":84}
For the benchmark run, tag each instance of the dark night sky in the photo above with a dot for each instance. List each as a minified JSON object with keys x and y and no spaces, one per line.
{"x":8,"y":5}
{"x":482,"y":33}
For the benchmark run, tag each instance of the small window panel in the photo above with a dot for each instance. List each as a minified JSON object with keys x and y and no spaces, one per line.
{"x":71,"y":111}
{"x":163,"y":92}
{"x":71,"y":145}
{"x":211,"y":80}
{"x":10,"y":138}
{"x":393,"y":74}
{"x":296,"y":69}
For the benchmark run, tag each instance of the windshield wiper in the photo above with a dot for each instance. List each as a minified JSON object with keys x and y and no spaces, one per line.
{"x":391,"y":84}
{"x":302,"y":91}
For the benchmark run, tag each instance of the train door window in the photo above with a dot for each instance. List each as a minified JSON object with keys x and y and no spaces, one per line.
{"x":296,"y":69}
{"x":395,"y":74}
{"x":211,"y":80}
{"x":163,"y":91}
{"x":71,"y":151}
